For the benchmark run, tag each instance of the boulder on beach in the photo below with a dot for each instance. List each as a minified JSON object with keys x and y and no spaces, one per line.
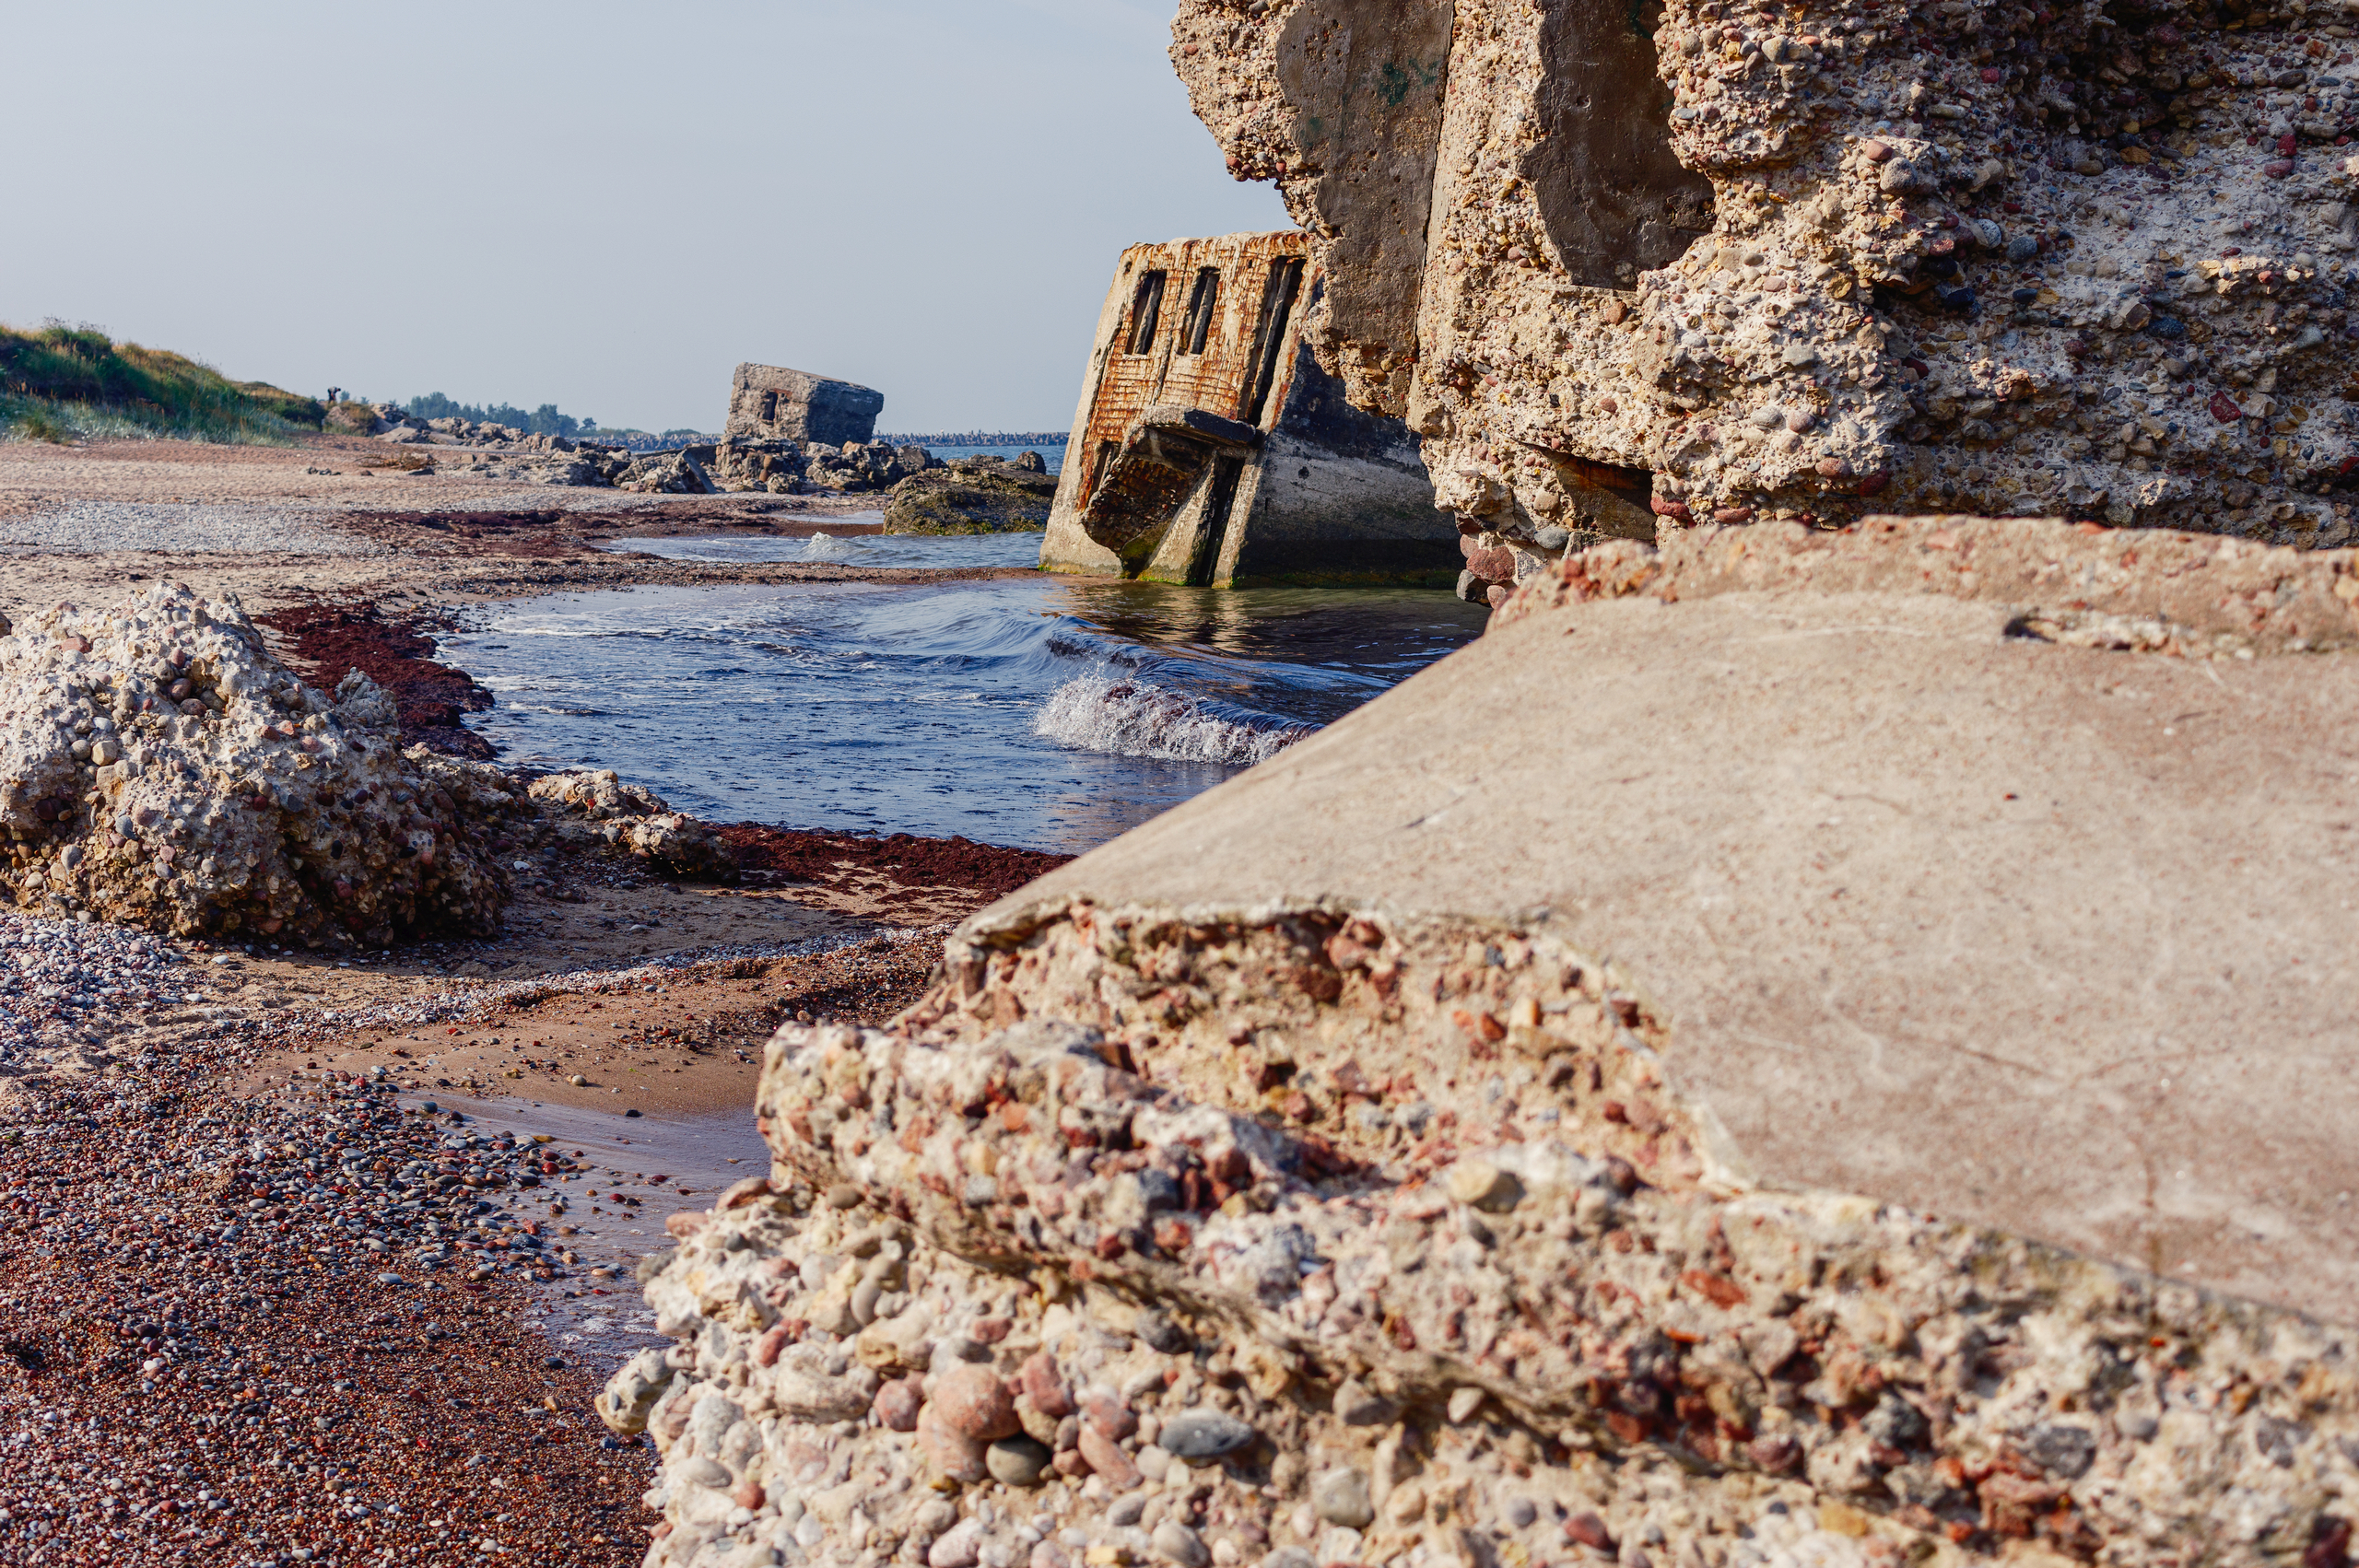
{"x":667,"y":474}
{"x":974,"y":494}
{"x":160,"y":767}
{"x":594,"y":803}
{"x":865,"y":465}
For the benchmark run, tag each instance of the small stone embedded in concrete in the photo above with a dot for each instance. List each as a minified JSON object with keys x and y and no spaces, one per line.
{"x":1175,"y":1542}
{"x":1197,"y":1435}
{"x":1586,"y":1529}
{"x":1484,"y":1186}
{"x":953,"y":1454}
{"x":1105,"y":1457}
{"x":1107,"y":1413}
{"x":958,"y":1547}
{"x":1355,"y":1406}
{"x":896,"y":1405}
{"x":1018,"y":1461}
{"x":972,"y":1401}
{"x":1340,"y":1496}
{"x":1045,"y":1386}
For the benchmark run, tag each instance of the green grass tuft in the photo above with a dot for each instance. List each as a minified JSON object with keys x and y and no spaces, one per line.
{"x":63,"y":384}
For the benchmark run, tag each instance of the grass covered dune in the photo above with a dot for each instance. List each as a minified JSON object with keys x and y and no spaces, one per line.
{"x":64,"y":383}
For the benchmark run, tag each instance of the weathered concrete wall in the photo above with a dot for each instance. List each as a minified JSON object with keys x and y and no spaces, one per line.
{"x":2022,"y":260}
{"x":769,"y":402}
{"x":1211,"y":447}
{"x":1511,"y":1127}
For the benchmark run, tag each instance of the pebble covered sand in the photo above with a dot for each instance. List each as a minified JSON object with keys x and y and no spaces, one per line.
{"x":298,"y":1325}
{"x":222,"y":1344}
{"x":248,"y":529}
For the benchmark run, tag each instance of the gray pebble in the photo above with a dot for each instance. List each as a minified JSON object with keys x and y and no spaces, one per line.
{"x":1158,"y":1329}
{"x":706,"y":1472}
{"x":1018,"y":1461}
{"x":1176,"y":1542}
{"x":1199,"y":1435}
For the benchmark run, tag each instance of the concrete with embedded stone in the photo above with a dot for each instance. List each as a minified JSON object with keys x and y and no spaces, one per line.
{"x":1558,"y":1183}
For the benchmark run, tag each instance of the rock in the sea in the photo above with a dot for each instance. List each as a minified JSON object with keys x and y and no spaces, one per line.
{"x":863,"y":465}
{"x":668,"y":473}
{"x":159,"y":767}
{"x":973,"y":495}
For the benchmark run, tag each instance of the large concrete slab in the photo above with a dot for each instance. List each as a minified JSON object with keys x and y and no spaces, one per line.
{"x":2063,"y":939}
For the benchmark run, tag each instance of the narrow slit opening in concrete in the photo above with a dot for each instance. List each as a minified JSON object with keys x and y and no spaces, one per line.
{"x":1201,"y":302}
{"x":1146,"y":307}
{"x":1269,"y":337}
{"x":1100,"y":462}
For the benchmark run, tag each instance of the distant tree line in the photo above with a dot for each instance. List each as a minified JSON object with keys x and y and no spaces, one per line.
{"x":542,"y":421}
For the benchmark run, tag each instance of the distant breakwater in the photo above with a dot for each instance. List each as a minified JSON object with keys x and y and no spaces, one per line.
{"x":980,"y":439}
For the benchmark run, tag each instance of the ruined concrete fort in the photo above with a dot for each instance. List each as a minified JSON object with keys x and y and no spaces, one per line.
{"x":1825,"y":1039}
{"x":768,"y":403}
{"x":1209,"y":448}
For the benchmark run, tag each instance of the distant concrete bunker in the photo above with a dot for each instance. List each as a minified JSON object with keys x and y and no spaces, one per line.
{"x":1210,"y":448}
{"x":771,"y":403}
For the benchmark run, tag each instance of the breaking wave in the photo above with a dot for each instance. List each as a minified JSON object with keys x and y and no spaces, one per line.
{"x":1128,"y":716}
{"x":828,"y":547}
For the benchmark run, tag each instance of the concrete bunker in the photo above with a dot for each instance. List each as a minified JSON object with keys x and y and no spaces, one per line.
{"x":1210,"y":450}
{"x":772,"y":403}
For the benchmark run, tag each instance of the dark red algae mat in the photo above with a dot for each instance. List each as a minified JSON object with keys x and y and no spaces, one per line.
{"x":329,"y":641}
{"x":176,"y":1392}
{"x":776,"y":855}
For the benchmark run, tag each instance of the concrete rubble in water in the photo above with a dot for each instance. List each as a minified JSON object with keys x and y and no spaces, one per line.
{"x":1622,"y":1180}
{"x":1781,"y":261}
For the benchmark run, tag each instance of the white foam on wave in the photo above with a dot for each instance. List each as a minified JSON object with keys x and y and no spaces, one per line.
{"x":1134,"y":718}
{"x":828,"y":547}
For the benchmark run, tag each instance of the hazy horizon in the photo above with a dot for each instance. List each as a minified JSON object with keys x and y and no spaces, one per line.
{"x":576,"y":205}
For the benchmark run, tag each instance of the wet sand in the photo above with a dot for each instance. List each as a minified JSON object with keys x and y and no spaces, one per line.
{"x":225,"y":1336}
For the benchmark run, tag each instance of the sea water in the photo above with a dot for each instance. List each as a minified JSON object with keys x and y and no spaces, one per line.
{"x":1033,"y":710}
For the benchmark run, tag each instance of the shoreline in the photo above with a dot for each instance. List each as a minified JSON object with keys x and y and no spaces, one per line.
{"x":215,"y":1314}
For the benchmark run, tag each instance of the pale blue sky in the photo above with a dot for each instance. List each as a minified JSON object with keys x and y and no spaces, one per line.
{"x":607,"y":205}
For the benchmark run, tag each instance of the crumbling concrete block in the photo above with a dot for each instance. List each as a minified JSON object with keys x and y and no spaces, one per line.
{"x":160,"y":767}
{"x":1211,"y":447}
{"x":1589,"y":1105}
{"x":1771,"y":262}
{"x":770,"y":403}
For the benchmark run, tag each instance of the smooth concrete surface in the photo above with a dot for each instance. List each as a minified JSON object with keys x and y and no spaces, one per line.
{"x":2054,"y":938}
